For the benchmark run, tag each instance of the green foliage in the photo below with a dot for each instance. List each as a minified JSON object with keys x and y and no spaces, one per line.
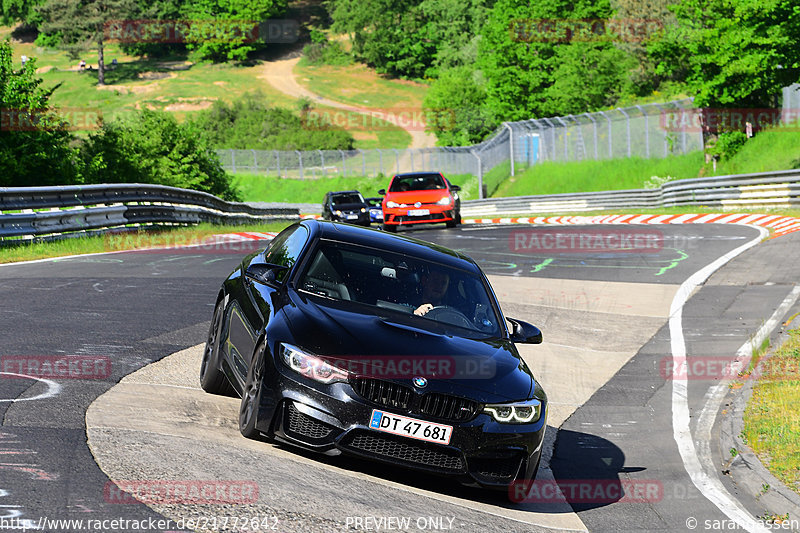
{"x":726,"y":144}
{"x":152,"y":147}
{"x":249,"y":123}
{"x":229,"y":33}
{"x":326,"y":53}
{"x":733,"y":53}
{"x":81,"y":23}
{"x":454,"y":107}
{"x":25,"y":11}
{"x":411,"y":38}
{"x":38,"y":155}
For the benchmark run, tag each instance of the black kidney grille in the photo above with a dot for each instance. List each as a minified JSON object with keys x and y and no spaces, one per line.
{"x":305,"y":425}
{"x":448,"y":407}
{"x":383,"y":393}
{"x":407,"y":451}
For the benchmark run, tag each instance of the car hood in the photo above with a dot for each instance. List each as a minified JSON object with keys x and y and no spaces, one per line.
{"x":425,"y":197}
{"x":395,"y":348}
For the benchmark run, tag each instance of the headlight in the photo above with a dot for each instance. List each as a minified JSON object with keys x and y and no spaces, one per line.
{"x":390,"y":204}
{"x":444,"y":201}
{"x":337,"y":213}
{"x":363,"y":209}
{"x":515,"y":413}
{"x":310,"y":366}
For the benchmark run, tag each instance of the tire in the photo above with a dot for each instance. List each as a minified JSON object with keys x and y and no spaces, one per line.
{"x":212,"y":379}
{"x":251,"y":396}
{"x":451,"y":223}
{"x":389,"y":228}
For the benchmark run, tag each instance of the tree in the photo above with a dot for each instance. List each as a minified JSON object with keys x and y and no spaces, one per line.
{"x":737,"y":53}
{"x":224,"y":30}
{"x":25,"y":11}
{"x":519,"y":51}
{"x":455,"y":110}
{"x":152,"y":147}
{"x":34,"y":141}
{"x":81,"y":24}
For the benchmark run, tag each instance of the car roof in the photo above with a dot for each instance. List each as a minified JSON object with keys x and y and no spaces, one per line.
{"x":389,"y":241}
{"x":343,"y":192}
{"x":420,"y":174}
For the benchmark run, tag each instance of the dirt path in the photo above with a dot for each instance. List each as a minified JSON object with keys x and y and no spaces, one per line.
{"x":280,"y":74}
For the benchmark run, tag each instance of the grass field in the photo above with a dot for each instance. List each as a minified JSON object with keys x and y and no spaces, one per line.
{"x":772,"y":420}
{"x":359,"y":85}
{"x":170,"y":237}
{"x":773,"y":149}
{"x":260,"y":188}
{"x":171,"y":84}
{"x":603,"y":175}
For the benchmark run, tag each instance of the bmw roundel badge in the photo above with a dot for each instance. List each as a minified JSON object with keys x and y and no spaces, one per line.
{"x":420,"y":382}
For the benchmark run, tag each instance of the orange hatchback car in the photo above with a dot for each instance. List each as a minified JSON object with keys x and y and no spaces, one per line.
{"x":420,"y":198}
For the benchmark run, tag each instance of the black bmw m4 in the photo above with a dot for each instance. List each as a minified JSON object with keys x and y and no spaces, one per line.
{"x":343,"y":339}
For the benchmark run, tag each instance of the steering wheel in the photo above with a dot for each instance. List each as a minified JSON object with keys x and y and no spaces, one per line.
{"x":444,"y":313}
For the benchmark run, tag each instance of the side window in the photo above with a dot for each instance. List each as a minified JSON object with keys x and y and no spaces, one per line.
{"x":286,"y":249}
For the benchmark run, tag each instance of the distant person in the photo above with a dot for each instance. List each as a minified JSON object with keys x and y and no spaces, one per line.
{"x":82,"y":65}
{"x":114,"y":63}
{"x":24,"y":60}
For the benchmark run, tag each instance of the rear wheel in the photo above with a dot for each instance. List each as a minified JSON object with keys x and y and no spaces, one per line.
{"x":251,"y":396}
{"x":212,"y":379}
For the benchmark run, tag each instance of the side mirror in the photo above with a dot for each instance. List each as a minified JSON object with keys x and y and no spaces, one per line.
{"x":455,"y":188}
{"x":382,"y":192}
{"x":263,"y":272}
{"x":524,"y":333}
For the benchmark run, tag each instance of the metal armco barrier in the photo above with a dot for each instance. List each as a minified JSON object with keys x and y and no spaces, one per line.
{"x":27,"y":212}
{"x":764,"y":189}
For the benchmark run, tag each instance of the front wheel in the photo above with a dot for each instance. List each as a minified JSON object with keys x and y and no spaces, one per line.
{"x":251,"y":396}
{"x":212,"y":379}
{"x":391,"y":228}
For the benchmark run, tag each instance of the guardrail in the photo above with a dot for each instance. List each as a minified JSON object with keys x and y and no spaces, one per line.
{"x":57,"y":212}
{"x":764,"y":189}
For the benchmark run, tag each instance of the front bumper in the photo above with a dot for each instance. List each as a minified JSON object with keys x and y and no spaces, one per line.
{"x":397,"y":216}
{"x":362,"y":219}
{"x":335,"y":419}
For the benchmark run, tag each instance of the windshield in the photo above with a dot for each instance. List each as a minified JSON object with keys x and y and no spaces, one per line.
{"x":422,"y":290}
{"x":348,"y":198}
{"x":417,"y":182}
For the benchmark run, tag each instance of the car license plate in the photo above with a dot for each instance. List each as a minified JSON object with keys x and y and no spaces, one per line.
{"x":410,"y":427}
{"x":418,"y":212}
{"x":352,"y":217}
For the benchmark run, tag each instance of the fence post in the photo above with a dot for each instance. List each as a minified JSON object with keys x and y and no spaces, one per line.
{"x":480,"y":174}
{"x":510,"y":145}
{"x":255,"y":161}
{"x":344,"y":165}
{"x":397,"y":159}
{"x":411,"y":154}
{"x":363,"y":163}
{"x":322,"y":160}
{"x":278,"y":161}
{"x":628,"y":128}
{"x":233,"y":161}
{"x":610,"y":145}
{"x":646,"y":132}
{"x":300,"y":162}
{"x":566,"y":146}
{"x":594,"y":132}
{"x":380,"y":159}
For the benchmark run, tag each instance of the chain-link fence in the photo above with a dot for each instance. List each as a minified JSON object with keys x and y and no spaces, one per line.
{"x":650,"y":130}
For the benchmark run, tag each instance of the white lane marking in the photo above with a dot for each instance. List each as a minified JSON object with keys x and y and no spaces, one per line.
{"x":53,"y":388}
{"x":709,"y":486}
{"x":716,"y":393}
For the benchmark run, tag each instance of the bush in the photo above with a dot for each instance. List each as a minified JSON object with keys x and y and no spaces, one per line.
{"x":249,"y":123}
{"x":727,"y":144}
{"x":151,"y":147}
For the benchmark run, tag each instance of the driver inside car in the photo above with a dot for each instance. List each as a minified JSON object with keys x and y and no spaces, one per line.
{"x":434,"y":286}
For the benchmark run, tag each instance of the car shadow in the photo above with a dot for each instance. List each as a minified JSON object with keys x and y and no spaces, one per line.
{"x":591,"y":462}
